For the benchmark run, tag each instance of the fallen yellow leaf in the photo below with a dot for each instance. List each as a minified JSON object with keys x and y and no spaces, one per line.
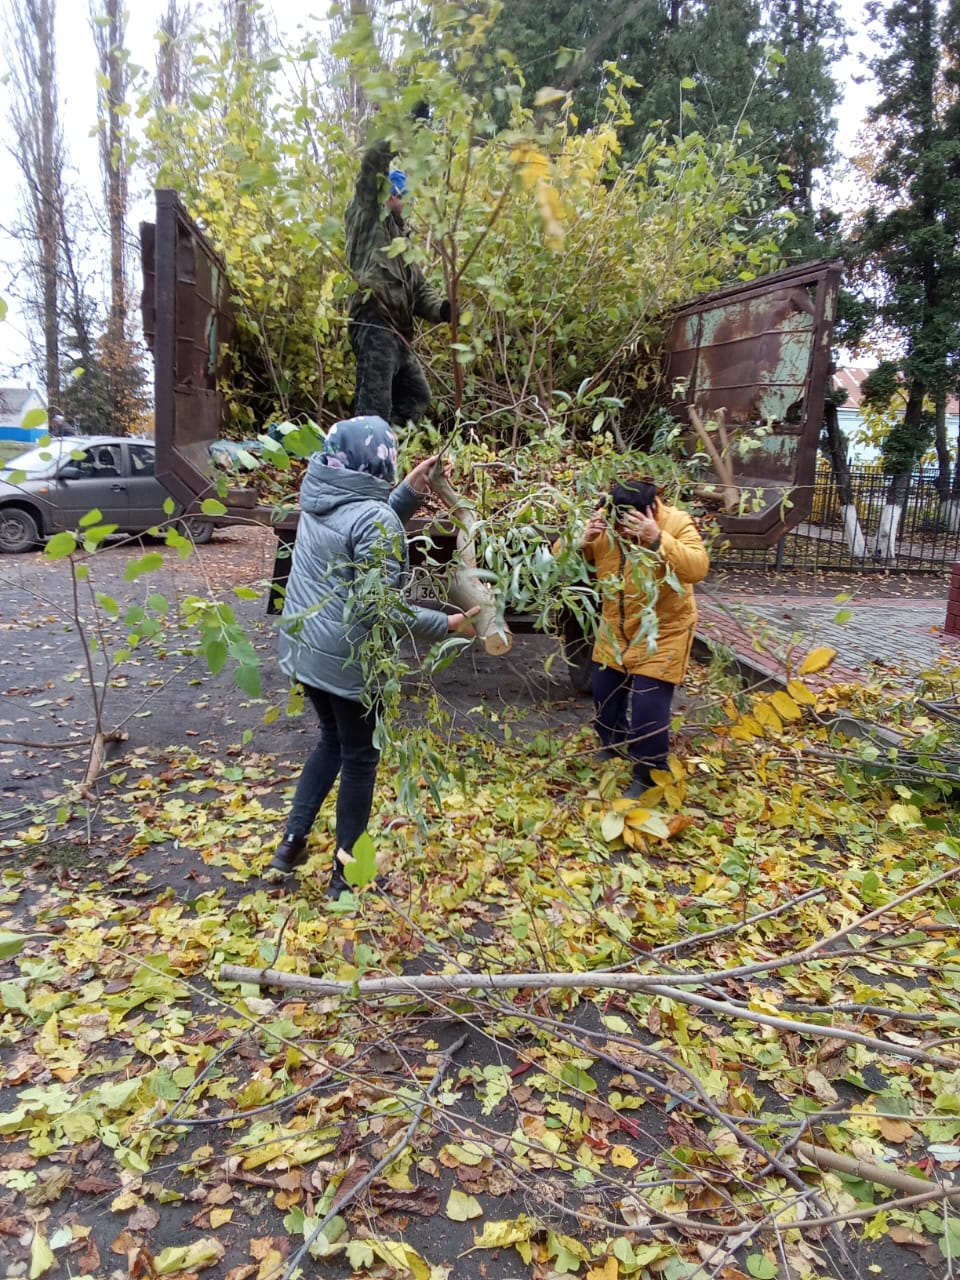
{"x":817,"y":660}
{"x":461,"y":1207}
{"x":799,"y":692}
{"x":188,"y":1257}
{"x":623,"y":1157}
{"x":609,"y":1271}
{"x":785,"y":706}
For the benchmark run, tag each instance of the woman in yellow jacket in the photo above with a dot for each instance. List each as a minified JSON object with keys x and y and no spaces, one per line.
{"x":644,"y":552}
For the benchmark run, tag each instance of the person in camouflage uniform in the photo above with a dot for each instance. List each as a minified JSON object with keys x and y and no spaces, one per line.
{"x":391,"y":292}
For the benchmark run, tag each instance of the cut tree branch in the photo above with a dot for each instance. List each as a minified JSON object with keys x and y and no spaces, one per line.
{"x":881,"y":1175}
{"x":722,"y":464}
{"x":464,"y":588}
{"x":430,"y":984}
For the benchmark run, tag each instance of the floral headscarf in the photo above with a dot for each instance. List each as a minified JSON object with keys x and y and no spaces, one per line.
{"x":362,"y":444}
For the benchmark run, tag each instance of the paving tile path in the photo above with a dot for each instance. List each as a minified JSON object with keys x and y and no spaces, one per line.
{"x":767,"y":632}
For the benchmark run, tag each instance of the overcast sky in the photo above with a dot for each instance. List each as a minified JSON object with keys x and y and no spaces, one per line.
{"x":76,"y":62}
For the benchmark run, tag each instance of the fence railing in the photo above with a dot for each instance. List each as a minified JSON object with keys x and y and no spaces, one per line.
{"x":927,"y":539}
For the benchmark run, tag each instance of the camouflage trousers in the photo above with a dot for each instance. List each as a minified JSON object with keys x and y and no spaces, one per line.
{"x":390,"y":378}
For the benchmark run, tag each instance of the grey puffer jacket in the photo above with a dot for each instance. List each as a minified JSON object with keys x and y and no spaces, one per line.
{"x":350,"y":524}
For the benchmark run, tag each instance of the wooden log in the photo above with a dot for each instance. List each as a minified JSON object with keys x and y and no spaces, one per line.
{"x":464,"y":588}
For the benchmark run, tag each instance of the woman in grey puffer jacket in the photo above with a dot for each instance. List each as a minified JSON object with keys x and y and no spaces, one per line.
{"x":350,"y":522}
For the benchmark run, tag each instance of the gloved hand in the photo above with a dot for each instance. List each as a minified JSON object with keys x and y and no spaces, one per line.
{"x":421,"y":111}
{"x":445,"y":311}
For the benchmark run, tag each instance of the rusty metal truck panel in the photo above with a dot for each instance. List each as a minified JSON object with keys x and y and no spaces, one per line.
{"x":189,"y":325}
{"x":757,"y":358}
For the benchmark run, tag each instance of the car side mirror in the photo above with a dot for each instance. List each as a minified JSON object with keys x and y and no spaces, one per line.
{"x":69,"y":473}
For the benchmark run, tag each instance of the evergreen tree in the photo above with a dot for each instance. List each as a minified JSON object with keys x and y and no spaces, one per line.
{"x":87,"y":398}
{"x":706,"y":69}
{"x":760,"y":67}
{"x":909,"y":251}
{"x":105,"y":390}
{"x":798,"y":105}
{"x":951,"y":219}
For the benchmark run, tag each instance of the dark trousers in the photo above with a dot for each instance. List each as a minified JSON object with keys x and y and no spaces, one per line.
{"x":345,"y":748}
{"x":633,"y":714}
{"x":390,"y":378}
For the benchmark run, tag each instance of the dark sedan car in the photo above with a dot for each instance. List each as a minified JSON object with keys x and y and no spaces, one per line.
{"x":50,"y":487}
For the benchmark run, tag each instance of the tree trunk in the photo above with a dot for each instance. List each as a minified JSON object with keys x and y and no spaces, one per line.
{"x":244,"y":27}
{"x":942,"y":446}
{"x":835,"y":448}
{"x":38,"y":151}
{"x":949,"y":500}
{"x":109,"y":39}
{"x":172,"y":73}
{"x":885,"y":547}
{"x":240,"y":20}
{"x":902,"y":449}
{"x":51,"y":198}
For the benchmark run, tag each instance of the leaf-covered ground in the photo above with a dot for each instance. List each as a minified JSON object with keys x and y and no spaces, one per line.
{"x":793,"y":920}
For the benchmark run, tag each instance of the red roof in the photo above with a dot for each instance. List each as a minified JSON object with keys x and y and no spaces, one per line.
{"x":851,"y":380}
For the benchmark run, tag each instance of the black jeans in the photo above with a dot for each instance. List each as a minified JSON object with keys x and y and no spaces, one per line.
{"x":633,"y":712}
{"x":345,"y":748}
{"x":390,"y":378}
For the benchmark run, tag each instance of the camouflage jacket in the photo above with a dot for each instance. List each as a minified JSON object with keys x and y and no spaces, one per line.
{"x":399,"y":288}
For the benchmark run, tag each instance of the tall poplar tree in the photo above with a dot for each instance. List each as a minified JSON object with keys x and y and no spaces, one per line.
{"x":242,"y":24}
{"x":177,"y":24}
{"x":39,"y":155}
{"x":118,"y":353}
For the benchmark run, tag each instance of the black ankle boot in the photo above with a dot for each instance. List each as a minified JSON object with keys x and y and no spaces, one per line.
{"x":641,"y":782}
{"x":291,"y":852}
{"x":338,"y":883}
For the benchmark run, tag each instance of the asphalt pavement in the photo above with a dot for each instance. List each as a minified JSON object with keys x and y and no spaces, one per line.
{"x":889,"y":627}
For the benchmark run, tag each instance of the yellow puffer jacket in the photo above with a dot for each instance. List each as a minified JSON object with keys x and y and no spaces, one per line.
{"x":627,"y":581}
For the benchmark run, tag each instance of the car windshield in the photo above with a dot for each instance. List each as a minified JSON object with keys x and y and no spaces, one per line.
{"x":42,"y":460}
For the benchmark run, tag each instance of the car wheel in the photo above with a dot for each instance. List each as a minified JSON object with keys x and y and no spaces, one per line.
{"x":197,"y":529}
{"x":18,"y":530}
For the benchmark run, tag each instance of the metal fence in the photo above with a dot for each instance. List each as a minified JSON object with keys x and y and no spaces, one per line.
{"x":927,"y":541}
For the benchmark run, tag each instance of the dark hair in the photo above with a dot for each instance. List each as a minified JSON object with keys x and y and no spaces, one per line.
{"x":640,"y":495}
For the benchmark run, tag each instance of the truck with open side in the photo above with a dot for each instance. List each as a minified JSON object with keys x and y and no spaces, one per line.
{"x":751,"y":360}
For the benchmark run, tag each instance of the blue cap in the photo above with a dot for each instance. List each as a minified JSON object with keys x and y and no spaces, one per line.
{"x":398,"y":183}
